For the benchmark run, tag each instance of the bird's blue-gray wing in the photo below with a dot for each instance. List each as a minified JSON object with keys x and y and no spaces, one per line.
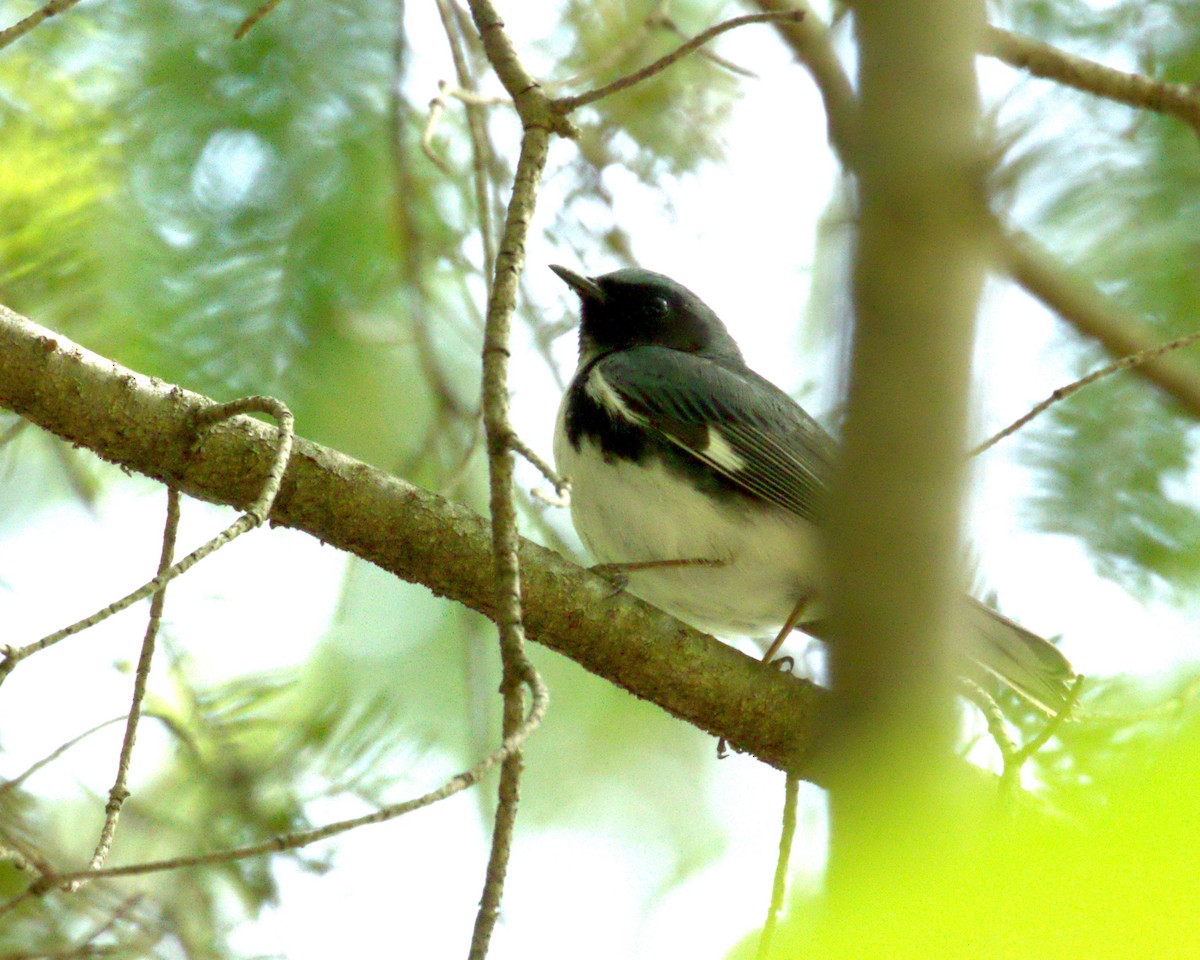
{"x":739,"y":424}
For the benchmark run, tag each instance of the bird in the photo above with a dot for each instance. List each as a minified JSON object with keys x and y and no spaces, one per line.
{"x":701,"y":487}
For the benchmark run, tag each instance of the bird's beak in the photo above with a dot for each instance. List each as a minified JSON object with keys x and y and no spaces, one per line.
{"x":586,"y":287}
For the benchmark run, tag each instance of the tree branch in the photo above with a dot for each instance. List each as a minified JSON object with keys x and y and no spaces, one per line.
{"x":567,"y":104}
{"x":518,"y":671}
{"x":1050,"y":63}
{"x":21,"y":27}
{"x":1061,"y":393}
{"x":1036,"y":270}
{"x":1099,"y":318}
{"x":147,"y":426}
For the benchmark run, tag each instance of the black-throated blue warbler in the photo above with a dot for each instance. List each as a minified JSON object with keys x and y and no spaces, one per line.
{"x":704,"y":483}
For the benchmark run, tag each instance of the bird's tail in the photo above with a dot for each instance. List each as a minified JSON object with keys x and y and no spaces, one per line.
{"x":1032,"y":666}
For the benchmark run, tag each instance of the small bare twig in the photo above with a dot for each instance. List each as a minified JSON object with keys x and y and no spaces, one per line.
{"x":779,"y":884}
{"x":1051,"y":727}
{"x":562,"y":485}
{"x":22,"y":855}
{"x":997,"y":726}
{"x":437,"y":106}
{"x":33,"y":768}
{"x":458,"y":474}
{"x":248,"y":24}
{"x":661,"y":20}
{"x":255,"y":514}
{"x":1096,"y":316}
{"x":538,"y":119}
{"x":1012,"y":756}
{"x":303,"y":838}
{"x":567,"y":104}
{"x":1124,"y":363}
{"x":1050,"y":63}
{"x":21,"y":27}
{"x":482,"y":152}
{"x":120,"y":791}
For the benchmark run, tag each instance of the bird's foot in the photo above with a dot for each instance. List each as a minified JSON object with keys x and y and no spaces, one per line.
{"x":618,"y":573}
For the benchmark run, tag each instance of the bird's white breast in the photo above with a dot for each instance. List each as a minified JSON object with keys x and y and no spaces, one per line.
{"x":628,"y":512}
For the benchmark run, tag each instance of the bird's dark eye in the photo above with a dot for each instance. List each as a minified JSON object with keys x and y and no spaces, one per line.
{"x":659,"y":308}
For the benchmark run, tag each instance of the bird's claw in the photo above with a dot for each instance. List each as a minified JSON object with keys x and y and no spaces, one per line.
{"x":614,"y":573}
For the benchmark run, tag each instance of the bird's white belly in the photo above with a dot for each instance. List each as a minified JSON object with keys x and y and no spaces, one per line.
{"x":627,"y":512}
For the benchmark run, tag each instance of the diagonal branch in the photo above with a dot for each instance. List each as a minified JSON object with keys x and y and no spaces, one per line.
{"x":1044,"y":277}
{"x":147,"y":426}
{"x":567,"y":104}
{"x":21,"y":27}
{"x":1061,"y":393}
{"x":1098,"y":317}
{"x":1050,"y":63}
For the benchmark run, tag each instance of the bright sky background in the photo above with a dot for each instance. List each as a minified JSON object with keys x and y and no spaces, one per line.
{"x":742,"y":239}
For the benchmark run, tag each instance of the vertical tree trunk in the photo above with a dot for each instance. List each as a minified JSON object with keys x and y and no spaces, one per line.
{"x":918,"y":272}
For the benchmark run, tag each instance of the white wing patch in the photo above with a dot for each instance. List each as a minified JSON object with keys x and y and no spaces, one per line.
{"x":721,"y":454}
{"x":602,"y":392}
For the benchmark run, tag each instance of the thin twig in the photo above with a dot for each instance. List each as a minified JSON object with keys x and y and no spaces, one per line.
{"x":562,"y":485}
{"x":303,"y":838}
{"x":1096,"y":316}
{"x":84,"y":947}
{"x":997,"y":726}
{"x":1013,"y":758}
{"x":9,"y":785}
{"x":246,"y":25}
{"x":437,"y":106}
{"x":567,"y":104}
{"x":1050,"y":63}
{"x":538,"y":119}
{"x":120,"y":791}
{"x":481,"y":145}
{"x":779,"y":884}
{"x":21,"y":27}
{"x":22,"y":855}
{"x":1051,"y":727}
{"x":11,"y":905}
{"x":1124,"y":363}
{"x":809,"y":41}
{"x":255,"y":514}
{"x":449,"y":405}
{"x":278,"y":411}
{"x":458,"y":474}
{"x":662,"y":21}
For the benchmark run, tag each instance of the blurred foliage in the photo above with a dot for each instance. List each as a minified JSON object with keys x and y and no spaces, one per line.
{"x":258,"y":216}
{"x":1111,"y":879}
{"x":1115,"y":462}
{"x":1121,"y":196}
{"x":672,"y":121}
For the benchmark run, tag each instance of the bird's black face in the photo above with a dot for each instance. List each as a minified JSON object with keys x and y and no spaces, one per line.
{"x":632,"y":307}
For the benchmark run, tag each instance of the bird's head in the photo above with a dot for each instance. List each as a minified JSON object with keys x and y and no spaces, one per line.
{"x":632,"y":307}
